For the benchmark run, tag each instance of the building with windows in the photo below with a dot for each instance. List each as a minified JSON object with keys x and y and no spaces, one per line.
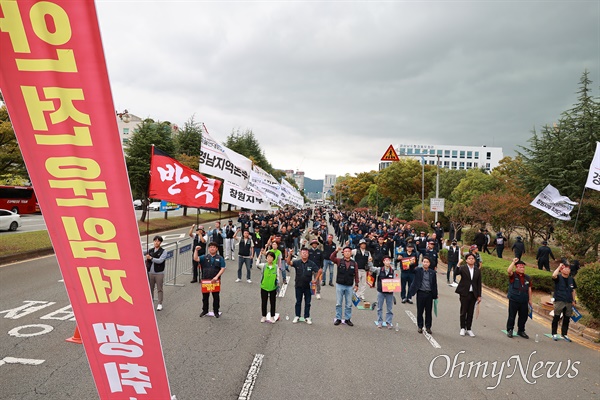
{"x":126,"y":128}
{"x":450,"y":156}
{"x":328,"y":184}
{"x":297,"y":176}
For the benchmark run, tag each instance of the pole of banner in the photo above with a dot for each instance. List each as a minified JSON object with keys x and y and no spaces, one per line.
{"x":148,"y":200}
{"x":197,"y":216}
{"x":578,"y":210}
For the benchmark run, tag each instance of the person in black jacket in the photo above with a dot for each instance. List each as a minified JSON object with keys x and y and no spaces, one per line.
{"x":469,"y":290}
{"x":155,"y":266}
{"x":453,"y":259}
{"x":519,"y":247}
{"x":519,"y":298}
{"x":480,"y":240}
{"x":407,"y":261}
{"x":386,"y":271}
{"x":543,"y":256}
{"x":425,"y":287}
{"x":564,"y":299}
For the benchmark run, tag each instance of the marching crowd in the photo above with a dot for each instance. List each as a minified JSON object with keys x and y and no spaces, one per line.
{"x":373,"y":253}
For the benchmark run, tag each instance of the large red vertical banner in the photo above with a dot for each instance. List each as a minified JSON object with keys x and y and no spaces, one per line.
{"x":55,"y":84}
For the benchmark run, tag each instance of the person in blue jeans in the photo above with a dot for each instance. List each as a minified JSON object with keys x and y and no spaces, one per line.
{"x":345,"y":282}
{"x":307,"y":273}
{"x":384,"y":272}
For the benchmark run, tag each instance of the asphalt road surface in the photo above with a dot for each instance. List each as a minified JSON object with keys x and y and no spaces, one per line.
{"x":210,"y":358}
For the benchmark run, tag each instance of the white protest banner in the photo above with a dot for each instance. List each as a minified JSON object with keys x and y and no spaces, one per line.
{"x":289,"y":195}
{"x":219,"y":161}
{"x":264,"y":182}
{"x":246,"y":198}
{"x":550,"y":201}
{"x":593,"y":179}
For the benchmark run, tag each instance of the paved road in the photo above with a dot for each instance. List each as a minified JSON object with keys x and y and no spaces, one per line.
{"x":209,"y":359}
{"x":35,"y":222}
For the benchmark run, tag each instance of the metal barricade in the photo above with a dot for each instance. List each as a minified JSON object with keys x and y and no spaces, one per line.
{"x":179,"y":261}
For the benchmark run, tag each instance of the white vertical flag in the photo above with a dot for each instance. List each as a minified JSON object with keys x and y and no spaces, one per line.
{"x":593,"y":179}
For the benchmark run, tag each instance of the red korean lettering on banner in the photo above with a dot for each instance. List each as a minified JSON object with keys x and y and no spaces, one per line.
{"x":52,"y":67}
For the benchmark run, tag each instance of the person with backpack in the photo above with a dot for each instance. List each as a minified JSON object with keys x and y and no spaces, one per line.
{"x":499,"y":244}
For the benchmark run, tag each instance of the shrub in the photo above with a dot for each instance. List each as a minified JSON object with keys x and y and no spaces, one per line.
{"x":420,"y":226}
{"x":588,"y":288}
{"x":468,"y":236}
{"x":443,"y":256}
{"x":493,"y":274}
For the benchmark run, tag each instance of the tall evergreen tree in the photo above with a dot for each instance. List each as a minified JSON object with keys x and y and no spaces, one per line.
{"x":12,"y":166}
{"x":246,"y":144}
{"x":138,"y":151}
{"x":561,"y":154}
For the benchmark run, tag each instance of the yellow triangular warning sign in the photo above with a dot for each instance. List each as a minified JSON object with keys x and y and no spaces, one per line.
{"x":390,"y":155}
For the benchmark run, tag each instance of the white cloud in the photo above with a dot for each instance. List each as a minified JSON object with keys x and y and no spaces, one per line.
{"x":327,"y":86}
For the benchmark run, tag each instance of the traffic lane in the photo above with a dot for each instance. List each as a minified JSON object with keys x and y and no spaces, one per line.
{"x":212,"y":356}
{"x":357,"y":361}
{"x":35,"y":329}
{"x":35,"y":222}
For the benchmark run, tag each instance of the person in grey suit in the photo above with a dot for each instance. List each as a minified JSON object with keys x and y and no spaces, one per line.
{"x":469,"y":290}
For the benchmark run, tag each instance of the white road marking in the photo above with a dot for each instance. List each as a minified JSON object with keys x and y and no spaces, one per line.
{"x":283,"y":290}
{"x":433,"y":342}
{"x":24,"y":361}
{"x":248,"y":386}
{"x":16,"y":332}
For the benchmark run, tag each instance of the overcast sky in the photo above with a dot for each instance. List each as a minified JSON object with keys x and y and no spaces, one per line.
{"x":327,"y":86}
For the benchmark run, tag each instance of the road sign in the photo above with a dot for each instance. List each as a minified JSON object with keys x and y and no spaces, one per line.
{"x":390,"y":155}
{"x":436,"y":205}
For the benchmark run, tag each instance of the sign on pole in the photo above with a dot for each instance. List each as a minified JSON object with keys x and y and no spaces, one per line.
{"x":390,"y":155}
{"x":436,"y":205}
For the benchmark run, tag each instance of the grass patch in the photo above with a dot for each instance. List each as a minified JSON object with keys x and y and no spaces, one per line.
{"x":18,"y":245}
{"x":24,"y":242}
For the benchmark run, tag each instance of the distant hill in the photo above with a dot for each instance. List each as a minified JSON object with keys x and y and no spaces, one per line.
{"x":313,"y":185}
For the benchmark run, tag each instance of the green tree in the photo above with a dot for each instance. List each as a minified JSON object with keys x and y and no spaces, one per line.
{"x":403,"y":179}
{"x":475,"y":183}
{"x":245,"y":143}
{"x":12,"y":166}
{"x":187,"y":140}
{"x":561,"y":154}
{"x":138,"y":151}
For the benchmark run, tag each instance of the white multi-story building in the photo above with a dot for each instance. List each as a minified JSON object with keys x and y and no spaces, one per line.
{"x":126,"y":127}
{"x":450,"y":156}
{"x":297,"y":176}
{"x":328,"y":184}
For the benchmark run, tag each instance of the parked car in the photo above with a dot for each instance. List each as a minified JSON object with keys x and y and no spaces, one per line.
{"x":154,"y":206}
{"x":9,"y":220}
{"x":137,"y":204}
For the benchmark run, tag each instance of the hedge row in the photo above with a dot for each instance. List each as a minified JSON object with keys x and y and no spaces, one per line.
{"x":588,"y":288}
{"x":493,"y":273}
